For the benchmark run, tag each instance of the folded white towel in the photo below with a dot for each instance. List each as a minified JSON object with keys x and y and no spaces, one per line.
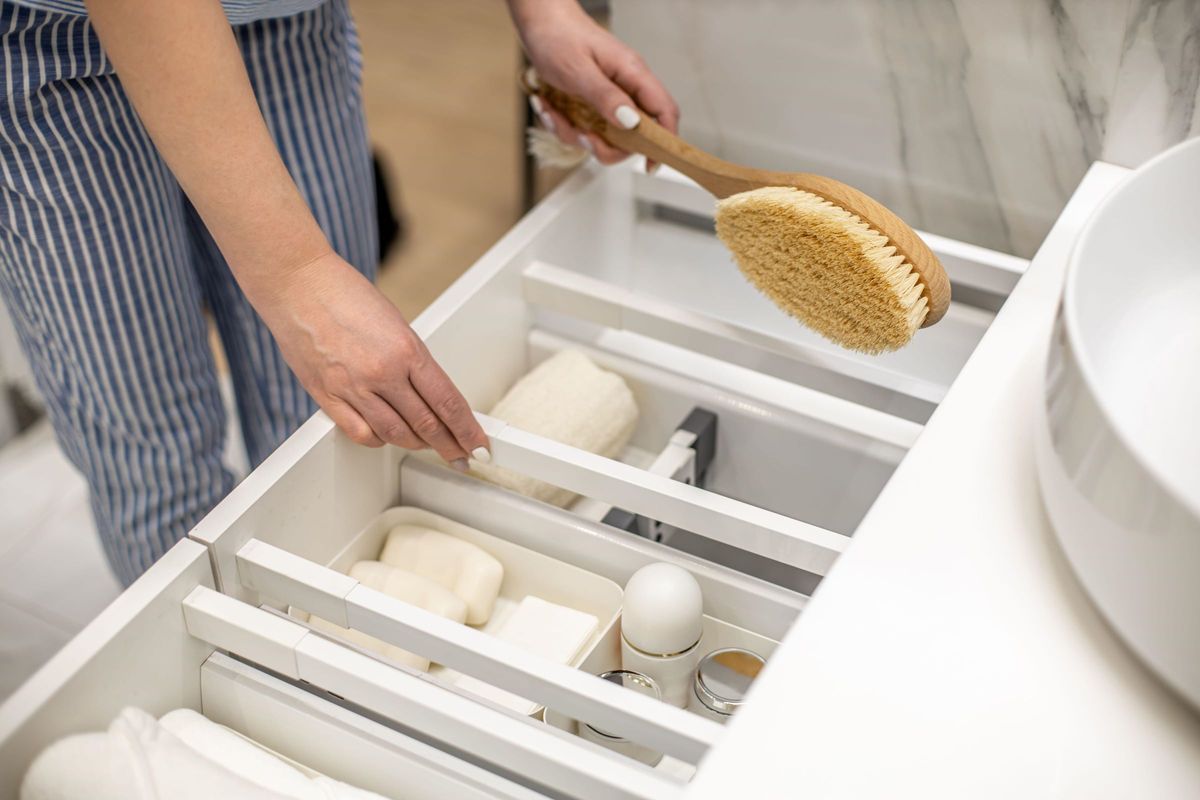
{"x":235,"y":752}
{"x":139,"y":758}
{"x":569,"y":399}
{"x":136,"y":759}
{"x":254,"y":762}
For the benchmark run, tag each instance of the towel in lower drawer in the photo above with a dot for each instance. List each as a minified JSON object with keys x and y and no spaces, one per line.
{"x":181,"y":756}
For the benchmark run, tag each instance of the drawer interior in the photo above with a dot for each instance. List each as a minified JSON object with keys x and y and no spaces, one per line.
{"x":621,"y":267}
{"x":300,"y":512}
{"x":323,"y":735}
{"x":740,"y":611}
{"x":625,"y":267}
{"x":826,"y":471}
{"x":139,"y":653}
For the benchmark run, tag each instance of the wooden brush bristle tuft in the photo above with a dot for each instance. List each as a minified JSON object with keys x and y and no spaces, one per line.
{"x":824,"y":266}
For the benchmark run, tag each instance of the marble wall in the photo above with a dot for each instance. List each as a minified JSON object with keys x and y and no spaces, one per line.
{"x":974,"y":119}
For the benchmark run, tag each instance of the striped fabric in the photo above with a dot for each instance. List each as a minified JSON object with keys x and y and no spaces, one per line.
{"x":106,"y":267}
{"x":239,"y":12}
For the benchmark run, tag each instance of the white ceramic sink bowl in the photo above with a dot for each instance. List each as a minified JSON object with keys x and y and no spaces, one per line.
{"x":1119,"y":442}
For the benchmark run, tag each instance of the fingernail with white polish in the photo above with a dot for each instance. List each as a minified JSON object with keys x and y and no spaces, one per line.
{"x":482,"y":455}
{"x":460,"y":464}
{"x":586,"y":143}
{"x":547,"y":122}
{"x":628,"y":117}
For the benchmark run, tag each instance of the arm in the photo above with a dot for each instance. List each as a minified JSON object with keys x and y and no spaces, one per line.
{"x":571,"y":52}
{"x":353,"y":351}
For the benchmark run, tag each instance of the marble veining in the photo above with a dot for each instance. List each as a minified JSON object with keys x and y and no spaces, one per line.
{"x":971,"y":118}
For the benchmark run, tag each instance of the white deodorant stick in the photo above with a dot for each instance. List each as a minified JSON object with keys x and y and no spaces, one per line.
{"x":662,"y":618}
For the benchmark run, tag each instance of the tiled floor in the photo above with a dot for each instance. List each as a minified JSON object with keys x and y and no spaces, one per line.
{"x":53,"y":576}
{"x":443,"y":110}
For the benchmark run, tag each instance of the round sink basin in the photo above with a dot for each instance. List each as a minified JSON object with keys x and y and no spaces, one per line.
{"x":1119,"y":440}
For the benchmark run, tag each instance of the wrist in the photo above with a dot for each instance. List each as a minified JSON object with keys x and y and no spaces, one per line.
{"x":527,"y":14}
{"x":277,"y":276}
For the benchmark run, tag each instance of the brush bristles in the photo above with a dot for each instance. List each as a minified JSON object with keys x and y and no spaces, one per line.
{"x":824,"y":266}
{"x":551,"y":152}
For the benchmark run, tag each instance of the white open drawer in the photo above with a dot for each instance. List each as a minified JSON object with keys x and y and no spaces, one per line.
{"x":138,"y":652}
{"x":613,"y":263}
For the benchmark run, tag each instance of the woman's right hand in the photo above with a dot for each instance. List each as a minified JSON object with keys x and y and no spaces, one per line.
{"x":359,"y":359}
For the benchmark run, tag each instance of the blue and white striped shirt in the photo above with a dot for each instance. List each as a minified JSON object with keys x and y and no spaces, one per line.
{"x":238,"y":12}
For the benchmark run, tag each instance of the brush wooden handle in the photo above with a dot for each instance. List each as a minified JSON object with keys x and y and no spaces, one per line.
{"x":724,"y":178}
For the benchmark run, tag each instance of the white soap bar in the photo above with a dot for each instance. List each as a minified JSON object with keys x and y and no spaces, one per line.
{"x":569,"y":399}
{"x":459,"y":566}
{"x":554,"y":632}
{"x":402,"y":585}
{"x":410,"y":587}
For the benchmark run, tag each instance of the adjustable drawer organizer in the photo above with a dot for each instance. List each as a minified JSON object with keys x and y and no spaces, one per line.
{"x":757,"y":506}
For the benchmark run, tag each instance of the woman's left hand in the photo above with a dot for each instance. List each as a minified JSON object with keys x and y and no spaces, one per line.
{"x":573,"y":53}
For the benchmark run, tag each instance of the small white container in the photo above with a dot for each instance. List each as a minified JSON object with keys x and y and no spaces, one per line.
{"x":526,"y":572}
{"x":662,"y":620}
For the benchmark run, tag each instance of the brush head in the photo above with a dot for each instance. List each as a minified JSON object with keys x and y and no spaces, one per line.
{"x":824,"y":266}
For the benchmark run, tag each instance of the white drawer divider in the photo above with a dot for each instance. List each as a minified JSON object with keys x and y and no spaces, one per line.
{"x":568,"y":766}
{"x":723,"y":519}
{"x":567,"y":292}
{"x":286,"y":577}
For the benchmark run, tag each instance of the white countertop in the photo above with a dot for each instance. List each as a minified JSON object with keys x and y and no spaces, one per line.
{"x":951,"y":652}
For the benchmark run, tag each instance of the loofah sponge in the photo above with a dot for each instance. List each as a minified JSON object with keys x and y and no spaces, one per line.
{"x":569,"y":399}
{"x":824,"y":266}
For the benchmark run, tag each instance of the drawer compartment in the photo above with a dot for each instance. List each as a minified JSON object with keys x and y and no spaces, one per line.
{"x":139,"y":652}
{"x":526,"y":573}
{"x":283,"y":561}
{"x":619,"y":267}
{"x":625,"y":268}
{"x":322,"y":735}
{"x":615,"y":250}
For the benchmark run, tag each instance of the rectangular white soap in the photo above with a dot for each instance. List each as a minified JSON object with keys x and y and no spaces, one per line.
{"x":469,"y":572}
{"x":554,"y":632}
{"x":402,"y":585}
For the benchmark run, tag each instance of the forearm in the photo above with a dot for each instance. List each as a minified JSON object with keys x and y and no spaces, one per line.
{"x":181,"y":67}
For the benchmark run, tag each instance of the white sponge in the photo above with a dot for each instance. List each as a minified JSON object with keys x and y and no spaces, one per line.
{"x":546,"y":629}
{"x":569,"y":399}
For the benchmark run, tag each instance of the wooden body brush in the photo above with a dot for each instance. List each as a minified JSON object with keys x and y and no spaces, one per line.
{"x":822,"y":251}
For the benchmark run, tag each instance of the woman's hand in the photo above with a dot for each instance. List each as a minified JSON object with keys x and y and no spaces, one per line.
{"x":368,"y":370}
{"x":571,"y":52}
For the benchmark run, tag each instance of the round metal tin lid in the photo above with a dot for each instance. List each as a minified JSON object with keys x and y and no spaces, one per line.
{"x":643,"y":684}
{"x":723,"y":677}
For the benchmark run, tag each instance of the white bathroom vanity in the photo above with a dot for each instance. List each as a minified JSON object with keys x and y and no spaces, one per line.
{"x":947,"y":651}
